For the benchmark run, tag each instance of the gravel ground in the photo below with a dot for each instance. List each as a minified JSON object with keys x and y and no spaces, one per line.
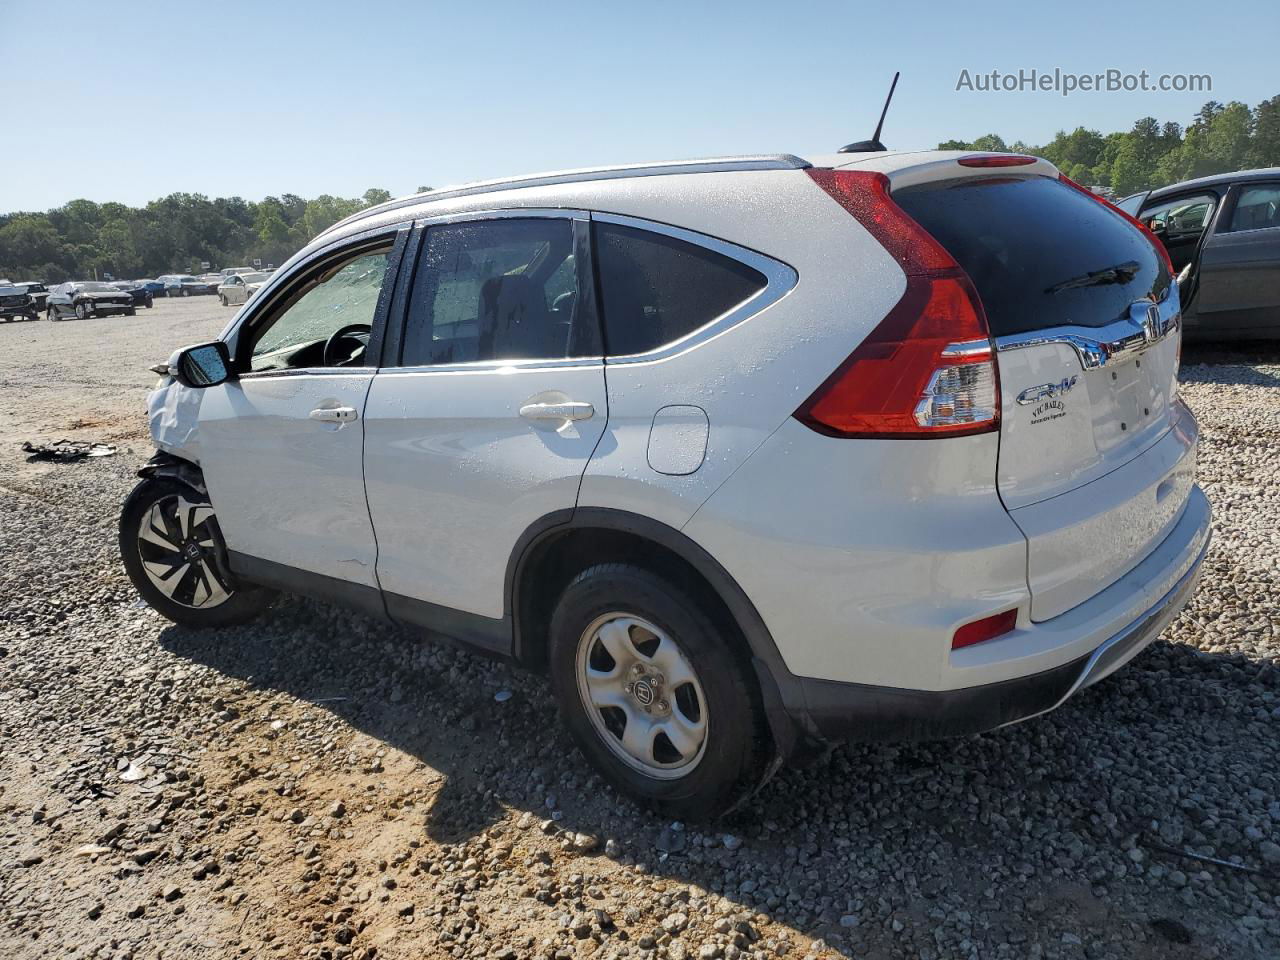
{"x":318,"y":784}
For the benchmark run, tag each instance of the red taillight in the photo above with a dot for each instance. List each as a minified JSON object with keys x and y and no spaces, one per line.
{"x":927,"y":369}
{"x":988,"y":628}
{"x":996,"y":160}
{"x":1155,"y":241}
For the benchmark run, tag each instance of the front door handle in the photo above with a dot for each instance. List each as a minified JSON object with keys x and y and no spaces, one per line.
{"x":569,"y":410}
{"x":334,"y":414}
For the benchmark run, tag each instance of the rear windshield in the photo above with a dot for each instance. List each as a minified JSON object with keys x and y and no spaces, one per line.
{"x":1040,"y":253}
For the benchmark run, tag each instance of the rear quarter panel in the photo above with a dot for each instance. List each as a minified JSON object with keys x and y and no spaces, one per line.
{"x":749,"y":379}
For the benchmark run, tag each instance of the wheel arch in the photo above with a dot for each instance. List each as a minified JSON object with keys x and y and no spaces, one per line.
{"x":560,"y":545}
{"x":171,"y":467}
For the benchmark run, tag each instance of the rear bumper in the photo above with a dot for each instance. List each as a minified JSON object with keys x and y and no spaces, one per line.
{"x":833,"y":710}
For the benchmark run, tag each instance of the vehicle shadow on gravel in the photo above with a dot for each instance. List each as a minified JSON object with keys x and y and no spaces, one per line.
{"x":1044,"y":812}
{"x":1199,"y":355}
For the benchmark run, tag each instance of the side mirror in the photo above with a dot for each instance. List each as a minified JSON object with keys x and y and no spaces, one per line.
{"x":204,"y":365}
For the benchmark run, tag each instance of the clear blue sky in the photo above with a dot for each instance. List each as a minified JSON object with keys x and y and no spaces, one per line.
{"x":130,"y":101}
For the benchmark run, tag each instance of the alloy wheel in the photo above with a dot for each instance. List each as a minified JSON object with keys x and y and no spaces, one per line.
{"x":178,"y":547}
{"x":642,"y":695}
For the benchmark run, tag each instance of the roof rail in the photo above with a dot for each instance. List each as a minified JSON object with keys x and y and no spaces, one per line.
{"x":775,"y":161}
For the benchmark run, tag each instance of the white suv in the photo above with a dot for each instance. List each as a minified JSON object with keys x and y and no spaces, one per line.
{"x":748,"y":454}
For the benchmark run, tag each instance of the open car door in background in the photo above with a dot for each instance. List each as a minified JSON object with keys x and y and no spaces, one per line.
{"x":1239,"y":266}
{"x":1181,"y":224}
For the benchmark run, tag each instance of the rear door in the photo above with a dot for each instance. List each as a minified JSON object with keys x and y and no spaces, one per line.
{"x":1239,"y":277}
{"x":483,"y":421}
{"x":1085,"y":318}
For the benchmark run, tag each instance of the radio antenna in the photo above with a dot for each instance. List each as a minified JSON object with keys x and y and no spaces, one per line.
{"x":873,"y":145}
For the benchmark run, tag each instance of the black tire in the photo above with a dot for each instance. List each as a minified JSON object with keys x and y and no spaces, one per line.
{"x":131,"y":312}
{"x":224,"y":300}
{"x":83,"y":312}
{"x":147,"y":302}
{"x":735,"y":756}
{"x":241,"y":603}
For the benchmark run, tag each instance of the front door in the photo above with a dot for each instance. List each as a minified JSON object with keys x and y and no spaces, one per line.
{"x":280,"y":446}
{"x":488,"y":421}
{"x":1180,"y":223}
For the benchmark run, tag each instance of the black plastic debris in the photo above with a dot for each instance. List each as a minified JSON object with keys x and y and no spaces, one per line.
{"x":66,"y":451}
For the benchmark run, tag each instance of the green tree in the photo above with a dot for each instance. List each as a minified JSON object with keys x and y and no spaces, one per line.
{"x":1265,"y":151}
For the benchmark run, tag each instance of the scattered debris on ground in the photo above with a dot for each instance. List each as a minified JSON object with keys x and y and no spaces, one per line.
{"x":65,"y":451}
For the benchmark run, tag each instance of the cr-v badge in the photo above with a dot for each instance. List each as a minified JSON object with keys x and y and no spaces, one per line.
{"x":1046,"y":391}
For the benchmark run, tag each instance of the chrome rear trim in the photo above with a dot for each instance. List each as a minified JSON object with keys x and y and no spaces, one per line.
{"x":1147,"y":324}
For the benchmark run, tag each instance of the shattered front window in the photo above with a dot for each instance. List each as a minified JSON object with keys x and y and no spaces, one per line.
{"x":346,"y":296}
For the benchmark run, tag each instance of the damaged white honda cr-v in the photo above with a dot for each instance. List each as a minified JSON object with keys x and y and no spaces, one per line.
{"x":747,"y":454}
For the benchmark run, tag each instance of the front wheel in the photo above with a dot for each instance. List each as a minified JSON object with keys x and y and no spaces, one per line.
{"x":147,"y":302}
{"x":656,"y":695}
{"x":131,"y":312}
{"x":82,"y":311}
{"x":186,"y":293}
{"x":173,"y":552}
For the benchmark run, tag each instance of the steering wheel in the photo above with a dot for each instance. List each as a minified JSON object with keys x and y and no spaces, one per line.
{"x":329,"y":358}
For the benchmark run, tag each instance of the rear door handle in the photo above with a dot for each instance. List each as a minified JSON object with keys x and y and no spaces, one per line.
{"x":569,"y":410}
{"x":334,"y":414}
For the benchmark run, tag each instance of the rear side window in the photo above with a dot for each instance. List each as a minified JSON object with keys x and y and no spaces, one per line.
{"x":1258,"y":208}
{"x":655,"y":289}
{"x":1039,"y":252}
{"x":497,"y":290}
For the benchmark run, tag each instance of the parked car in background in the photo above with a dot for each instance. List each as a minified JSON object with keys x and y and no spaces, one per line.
{"x":38,"y":292}
{"x":16,"y":303}
{"x":229,"y":271}
{"x":87,"y":298}
{"x":1222,"y":234}
{"x":239,"y":287}
{"x":214,"y":280}
{"x":153,"y":287}
{"x":883,"y":454}
{"x":185,"y":285}
{"x":142,"y":297}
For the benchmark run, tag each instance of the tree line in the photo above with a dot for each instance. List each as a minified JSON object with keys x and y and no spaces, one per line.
{"x":176,"y":234}
{"x":1221,"y":138}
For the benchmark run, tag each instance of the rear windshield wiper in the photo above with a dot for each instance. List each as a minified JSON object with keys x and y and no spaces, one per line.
{"x":1120,"y":273}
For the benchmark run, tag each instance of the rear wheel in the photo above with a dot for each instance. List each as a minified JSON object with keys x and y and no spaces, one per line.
{"x":224,"y":300}
{"x":654,"y":693}
{"x":173,"y":552}
{"x":131,"y":312}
